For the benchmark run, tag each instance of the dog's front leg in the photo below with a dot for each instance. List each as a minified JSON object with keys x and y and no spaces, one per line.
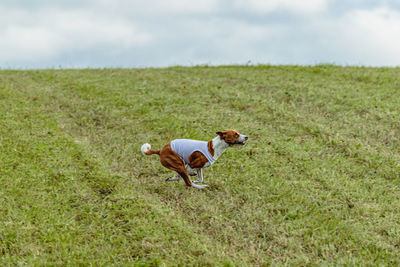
{"x":199,"y":176}
{"x":190,"y":171}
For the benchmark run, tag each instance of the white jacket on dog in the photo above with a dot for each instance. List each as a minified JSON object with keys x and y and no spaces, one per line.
{"x":185,"y":147}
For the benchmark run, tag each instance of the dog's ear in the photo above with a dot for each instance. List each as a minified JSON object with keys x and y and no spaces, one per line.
{"x":220,"y":133}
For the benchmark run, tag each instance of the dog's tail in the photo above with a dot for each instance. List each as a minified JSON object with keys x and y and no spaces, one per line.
{"x":146,"y":150}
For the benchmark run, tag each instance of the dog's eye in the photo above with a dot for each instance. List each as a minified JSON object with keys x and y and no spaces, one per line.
{"x":236,"y":134}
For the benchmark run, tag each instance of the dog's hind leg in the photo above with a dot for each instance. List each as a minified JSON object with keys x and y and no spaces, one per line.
{"x":190,"y":171}
{"x":172,"y":161}
{"x":176,"y":178}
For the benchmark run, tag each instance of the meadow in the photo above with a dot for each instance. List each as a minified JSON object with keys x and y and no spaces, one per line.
{"x":317,"y":183}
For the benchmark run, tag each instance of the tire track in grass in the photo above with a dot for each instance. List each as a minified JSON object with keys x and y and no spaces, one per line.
{"x":215,"y":232}
{"x":157,"y":233}
{"x":42,"y":192}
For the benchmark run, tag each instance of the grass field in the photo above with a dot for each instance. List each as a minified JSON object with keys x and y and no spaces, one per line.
{"x":317,"y":184}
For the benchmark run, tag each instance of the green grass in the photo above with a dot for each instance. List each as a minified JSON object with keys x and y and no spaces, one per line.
{"x":317,"y":184}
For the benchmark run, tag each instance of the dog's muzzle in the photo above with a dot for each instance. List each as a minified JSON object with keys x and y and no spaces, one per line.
{"x":242,"y":140}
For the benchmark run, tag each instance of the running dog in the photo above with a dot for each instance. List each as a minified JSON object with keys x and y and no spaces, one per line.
{"x":189,"y":157}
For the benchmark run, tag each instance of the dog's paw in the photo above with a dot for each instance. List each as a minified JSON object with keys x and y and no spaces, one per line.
{"x":198,"y":181}
{"x":199,"y":186}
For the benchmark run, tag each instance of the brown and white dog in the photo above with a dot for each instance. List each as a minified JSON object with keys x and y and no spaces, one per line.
{"x":196,"y":161}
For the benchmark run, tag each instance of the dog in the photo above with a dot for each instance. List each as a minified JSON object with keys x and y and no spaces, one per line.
{"x":189,"y":157}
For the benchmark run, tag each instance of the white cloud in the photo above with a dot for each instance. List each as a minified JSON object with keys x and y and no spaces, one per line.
{"x":367,"y":37}
{"x":89,"y":29}
{"x":224,"y":41}
{"x":293,"y":6}
{"x":46,"y":33}
{"x":154,"y":8}
{"x":374,"y":36}
{"x":101,"y":33}
{"x":185,"y":6}
{"x":25,"y":42}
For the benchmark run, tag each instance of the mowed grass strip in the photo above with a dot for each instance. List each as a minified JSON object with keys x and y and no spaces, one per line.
{"x":317,"y":183}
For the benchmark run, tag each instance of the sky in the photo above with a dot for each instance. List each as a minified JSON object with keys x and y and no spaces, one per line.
{"x":161,"y":33}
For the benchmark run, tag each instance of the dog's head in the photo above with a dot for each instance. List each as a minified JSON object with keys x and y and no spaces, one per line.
{"x":232,"y":137}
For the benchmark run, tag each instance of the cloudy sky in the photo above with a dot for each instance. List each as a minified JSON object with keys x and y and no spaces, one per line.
{"x":158,"y":33}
